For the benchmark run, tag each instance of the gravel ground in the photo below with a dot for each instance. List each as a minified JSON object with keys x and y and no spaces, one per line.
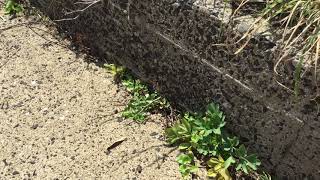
{"x":59,"y":115}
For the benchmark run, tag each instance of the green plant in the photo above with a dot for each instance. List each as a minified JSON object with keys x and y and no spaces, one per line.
{"x":134,"y":86}
{"x":118,"y":72}
{"x":140,"y":105}
{"x":205,"y":136}
{"x":197,"y":134}
{"x":265,"y":176}
{"x":12,"y":7}
{"x":115,"y":70}
{"x":186,"y":164}
{"x":143,"y":101}
{"x":246,"y":162}
{"x":219,"y":168}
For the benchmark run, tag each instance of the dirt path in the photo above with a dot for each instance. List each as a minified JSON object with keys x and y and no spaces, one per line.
{"x":59,"y":115}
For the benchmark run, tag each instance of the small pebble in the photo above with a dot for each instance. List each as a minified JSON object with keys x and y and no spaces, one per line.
{"x":34,"y":83}
{"x":139,"y":169}
{"x":35,"y":126}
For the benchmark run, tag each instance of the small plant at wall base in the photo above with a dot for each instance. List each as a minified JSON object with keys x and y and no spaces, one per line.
{"x":143,"y":101}
{"x":265,"y":176}
{"x":204,"y":136}
{"x":12,"y":7}
{"x":199,"y":136}
{"x":117,"y":71}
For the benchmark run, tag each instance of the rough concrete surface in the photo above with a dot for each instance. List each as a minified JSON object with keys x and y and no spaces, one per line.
{"x":59,"y":114}
{"x":186,"y":50}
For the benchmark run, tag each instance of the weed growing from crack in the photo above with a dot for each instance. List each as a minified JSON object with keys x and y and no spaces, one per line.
{"x":199,"y":136}
{"x":143,"y":101}
{"x":204,"y":136}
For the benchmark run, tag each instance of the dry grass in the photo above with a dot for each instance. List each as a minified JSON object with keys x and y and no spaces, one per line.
{"x":299,"y":21}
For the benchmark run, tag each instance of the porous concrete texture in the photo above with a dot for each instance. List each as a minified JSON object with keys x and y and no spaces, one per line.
{"x":186,"y":51}
{"x":60,"y":115}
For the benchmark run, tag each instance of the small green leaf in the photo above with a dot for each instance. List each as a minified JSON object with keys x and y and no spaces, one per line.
{"x":186,"y":125}
{"x":217,"y":131}
{"x":184,"y":159}
{"x":244,"y":168}
{"x":212,"y":173}
{"x":193,"y":169}
{"x":238,"y":167}
{"x":183,"y":168}
{"x":217,"y":168}
{"x":265,"y":176}
{"x":214,"y":161}
{"x":241,"y":151}
{"x":228,"y":162}
{"x":184,"y":146}
{"x":195,"y":138}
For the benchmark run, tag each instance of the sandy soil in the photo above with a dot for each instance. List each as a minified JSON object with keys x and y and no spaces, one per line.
{"x":60,"y":114}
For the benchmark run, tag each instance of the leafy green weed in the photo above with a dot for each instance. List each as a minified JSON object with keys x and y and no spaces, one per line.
{"x":143,"y":101}
{"x":205,"y":135}
{"x":12,"y":7}
{"x":196,"y":134}
{"x":186,"y":164}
